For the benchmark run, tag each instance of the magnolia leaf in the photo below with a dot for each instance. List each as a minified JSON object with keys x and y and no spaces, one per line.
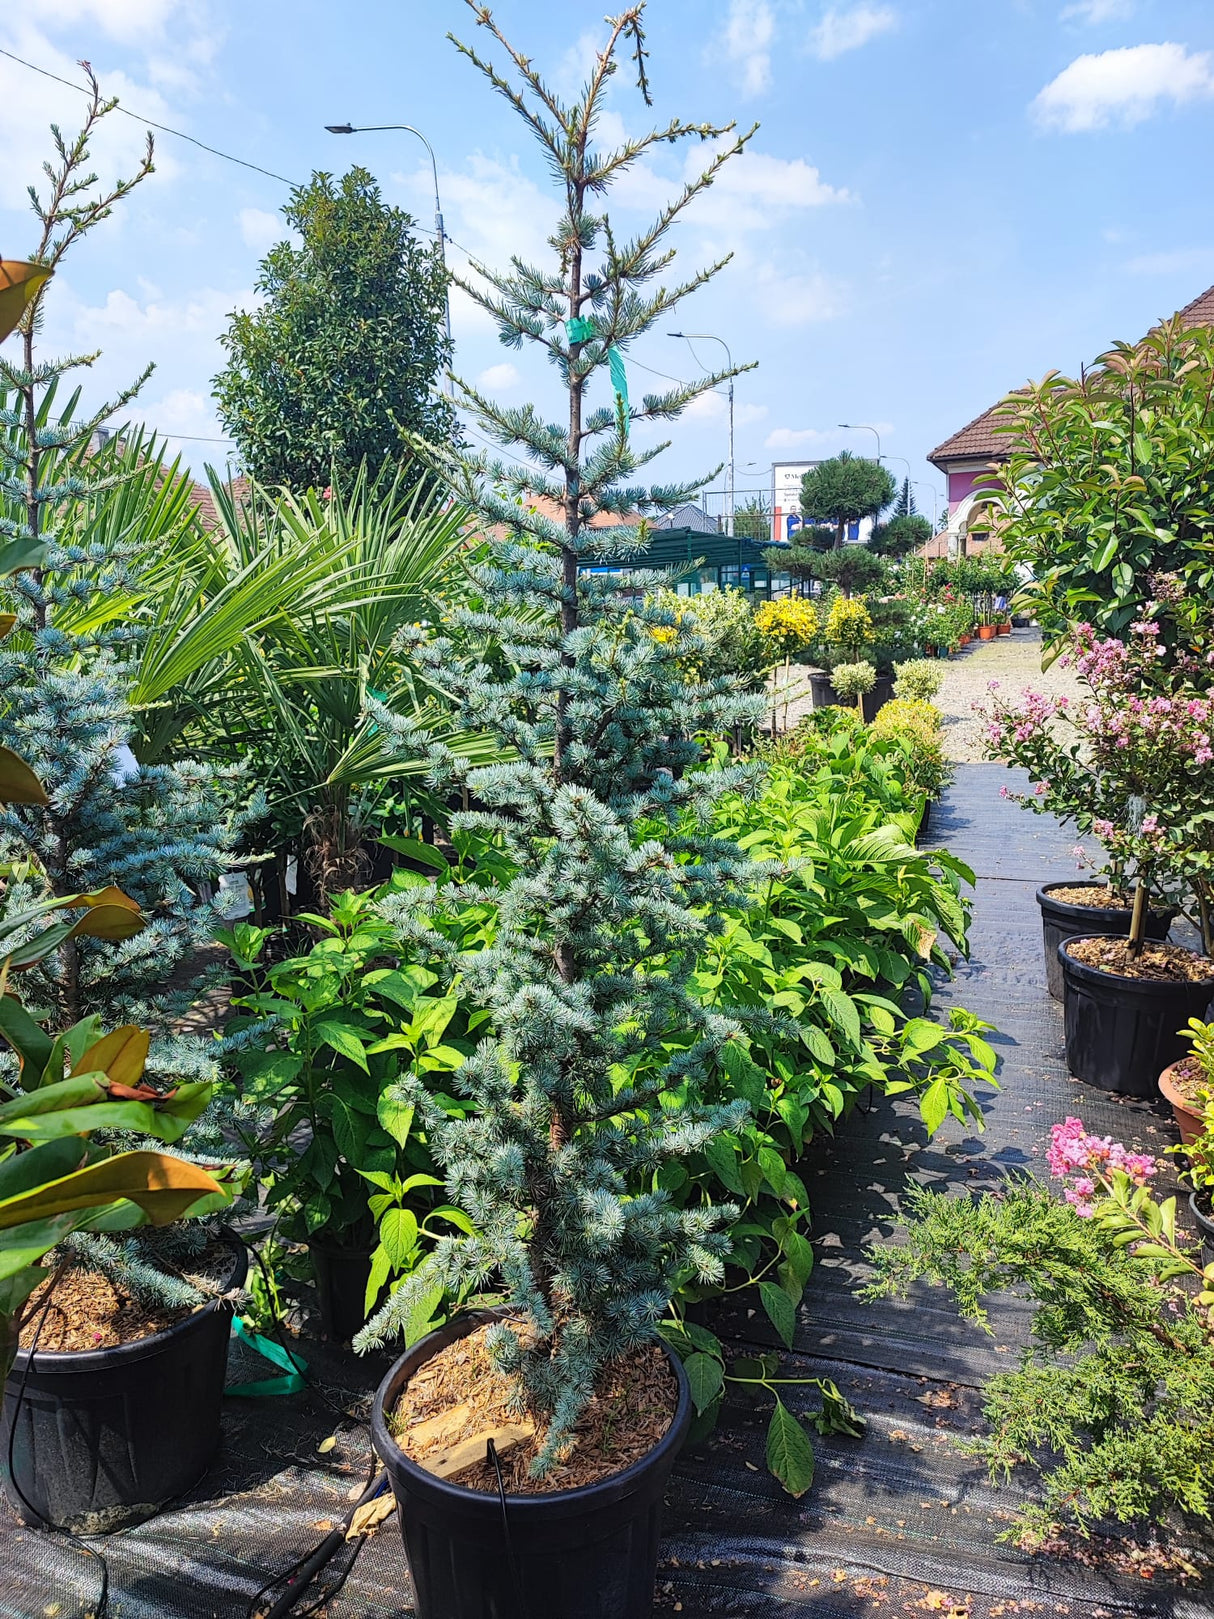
{"x":20,"y":284}
{"x":120,"y":1055}
{"x":163,"y":1187}
{"x":18,"y":783}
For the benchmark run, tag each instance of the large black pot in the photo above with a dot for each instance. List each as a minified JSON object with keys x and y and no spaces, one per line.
{"x":341,"y":1275}
{"x":589,"y":1553}
{"x":823,"y":694}
{"x":1060,"y":921}
{"x":105,"y":1437}
{"x":1121,"y":1033}
{"x":1206,"y":1226}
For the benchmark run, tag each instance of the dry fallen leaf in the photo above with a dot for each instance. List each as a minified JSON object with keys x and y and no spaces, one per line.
{"x":371,"y":1514}
{"x":326,"y":1445}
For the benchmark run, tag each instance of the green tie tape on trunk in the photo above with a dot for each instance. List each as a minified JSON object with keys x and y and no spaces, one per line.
{"x":619,"y":380}
{"x":580,"y":330}
{"x":292,"y":1383}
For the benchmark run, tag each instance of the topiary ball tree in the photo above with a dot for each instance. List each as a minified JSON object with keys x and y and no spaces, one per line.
{"x":845,"y":489}
{"x":561,"y":1162}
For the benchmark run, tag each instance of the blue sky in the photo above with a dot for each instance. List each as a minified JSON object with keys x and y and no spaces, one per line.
{"x":944,"y":197}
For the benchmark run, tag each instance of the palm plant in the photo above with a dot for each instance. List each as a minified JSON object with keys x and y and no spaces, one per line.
{"x":272,"y":640}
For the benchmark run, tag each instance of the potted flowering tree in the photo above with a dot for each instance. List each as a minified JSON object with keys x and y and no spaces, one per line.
{"x":1143,"y":738}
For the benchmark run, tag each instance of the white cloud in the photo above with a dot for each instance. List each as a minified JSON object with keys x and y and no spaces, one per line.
{"x":1176,"y":262}
{"x":1098,"y":11}
{"x":498,"y":378}
{"x":127,"y":20}
{"x":29,"y":104}
{"x":797,"y":299}
{"x":713,"y":406}
{"x":259,"y":229}
{"x":745,"y":43}
{"x":754,"y":191}
{"x":1123,"y":87}
{"x":846,"y":28}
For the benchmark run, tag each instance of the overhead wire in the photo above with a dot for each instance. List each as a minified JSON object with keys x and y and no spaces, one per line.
{"x":151,"y":122}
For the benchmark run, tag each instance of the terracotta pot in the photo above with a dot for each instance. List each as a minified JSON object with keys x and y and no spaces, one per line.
{"x":929,"y":650}
{"x":1003,"y":629}
{"x":964,"y":640}
{"x":986,"y":632}
{"x":1188,"y":1117}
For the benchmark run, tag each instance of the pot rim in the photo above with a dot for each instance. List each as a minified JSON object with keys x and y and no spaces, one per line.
{"x":53,"y":1362}
{"x":1045,"y":893}
{"x":553,"y":1502}
{"x":1204,"y":1222}
{"x":1177,"y":1097}
{"x":1137,"y":986}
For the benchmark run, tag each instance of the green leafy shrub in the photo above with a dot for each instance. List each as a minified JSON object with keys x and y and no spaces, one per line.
{"x":915,"y":727}
{"x":854,"y":679}
{"x":919,"y":680}
{"x":1113,"y":1401}
{"x":318,"y":1050}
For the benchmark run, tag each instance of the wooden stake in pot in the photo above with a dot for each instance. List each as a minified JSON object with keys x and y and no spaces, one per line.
{"x":1138,"y":922}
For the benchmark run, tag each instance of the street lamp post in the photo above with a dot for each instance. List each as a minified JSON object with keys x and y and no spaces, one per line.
{"x":439,"y":230}
{"x":935,"y":494}
{"x":708,"y":337}
{"x":863,"y":427}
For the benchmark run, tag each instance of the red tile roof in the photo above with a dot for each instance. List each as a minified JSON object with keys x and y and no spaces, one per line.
{"x":977,"y":440}
{"x":205,"y":501}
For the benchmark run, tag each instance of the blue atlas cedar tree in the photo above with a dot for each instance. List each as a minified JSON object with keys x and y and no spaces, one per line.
{"x":156,"y":832}
{"x":560,"y":1162}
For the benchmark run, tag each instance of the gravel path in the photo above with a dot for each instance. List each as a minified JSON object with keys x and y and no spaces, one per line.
{"x":1014,"y":660}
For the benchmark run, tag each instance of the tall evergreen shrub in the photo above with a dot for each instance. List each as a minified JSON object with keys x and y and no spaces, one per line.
{"x":561,"y":1161}
{"x":159,"y":833}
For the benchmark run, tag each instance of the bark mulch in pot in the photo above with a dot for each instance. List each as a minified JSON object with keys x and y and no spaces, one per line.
{"x":1163,"y":963}
{"x":459,"y":1393}
{"x":89,"y":1311}
{"x":1191,"y":1080}
{"x":1094,"y":895}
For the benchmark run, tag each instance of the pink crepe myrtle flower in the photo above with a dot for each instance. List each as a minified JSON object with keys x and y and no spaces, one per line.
{"x":1087,"y":1163}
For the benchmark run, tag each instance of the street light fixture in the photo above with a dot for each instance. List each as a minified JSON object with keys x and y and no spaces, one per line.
{"x":863,"y":427}
{"x":708,"y":337}
{"x":439,"y":231}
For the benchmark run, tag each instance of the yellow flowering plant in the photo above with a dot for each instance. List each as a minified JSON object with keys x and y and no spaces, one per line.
{"x":789,"y":623}
{"x":848,"y":625}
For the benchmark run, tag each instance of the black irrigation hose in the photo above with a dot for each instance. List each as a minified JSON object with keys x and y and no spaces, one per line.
{"x":304,"y":1570}
{"x":102,"y":1605}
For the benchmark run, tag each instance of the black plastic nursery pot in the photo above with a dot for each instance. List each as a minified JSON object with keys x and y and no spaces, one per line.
{"x":589,"y":1553}
{"x":1060,"y":920}
{"x":1121,"y":1033}
{"x":1205,"y":1224}
{"x":823,"y":694}
{"x":341,"y":1287}
{"x":105,"y":1437}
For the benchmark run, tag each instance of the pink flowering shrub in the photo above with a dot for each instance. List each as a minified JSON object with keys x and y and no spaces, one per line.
{"x":1129,"y":760}
{"x":1088,"y":1163}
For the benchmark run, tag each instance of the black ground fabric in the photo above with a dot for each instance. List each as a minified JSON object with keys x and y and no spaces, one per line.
{"x":899,"y":1523}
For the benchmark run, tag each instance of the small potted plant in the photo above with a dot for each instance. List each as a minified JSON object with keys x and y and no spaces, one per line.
{"x":1097,"y":764}
{"x":855,"y":680}
{"x":1188,"y":1085}
{"x":1198,"y":1173}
